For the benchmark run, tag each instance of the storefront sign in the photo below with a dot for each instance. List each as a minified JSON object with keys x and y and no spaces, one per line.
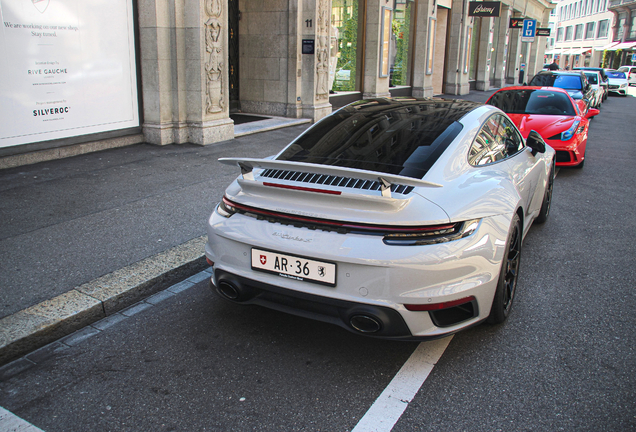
{"x":308,"y":46}
{"x":484,"y":9}
{"x":68,"y":70}
{"x":543,"y":32}
{"x":515,"y":23}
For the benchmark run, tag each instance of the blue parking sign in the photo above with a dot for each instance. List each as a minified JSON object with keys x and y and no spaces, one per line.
{"x":528,"y":31}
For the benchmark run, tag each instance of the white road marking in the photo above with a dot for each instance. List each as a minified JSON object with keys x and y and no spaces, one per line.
{"x":389,"y":406}
{"x":10,"y":422}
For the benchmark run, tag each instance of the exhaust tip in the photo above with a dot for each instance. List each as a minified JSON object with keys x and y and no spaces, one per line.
{"x":365,"y":324}
{"x":228,"y":290}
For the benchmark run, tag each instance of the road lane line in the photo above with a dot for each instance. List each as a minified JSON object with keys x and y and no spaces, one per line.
{"x":10,"y":422}
{"x":389,"y":406}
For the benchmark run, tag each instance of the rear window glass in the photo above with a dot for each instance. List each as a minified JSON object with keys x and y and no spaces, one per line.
{"x":402,"y":139}
{"x":592,"y":78}
{"x":616,"y":74}
{"x":623,"y":69}
{"x":532,"y":102}
{"x":554,"y":80}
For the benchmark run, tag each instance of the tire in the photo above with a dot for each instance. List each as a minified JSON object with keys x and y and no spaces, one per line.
{"x":547,"y":198}
{"x":508,"y":275}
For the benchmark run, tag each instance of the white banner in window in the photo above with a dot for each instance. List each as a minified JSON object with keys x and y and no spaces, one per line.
{"x":67,"y":68}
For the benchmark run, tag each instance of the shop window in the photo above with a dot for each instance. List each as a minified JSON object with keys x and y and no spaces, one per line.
{"x":603,"y":27}
{"x":589,"y":30}
{"x":345,"y":58}
{"x":402,"y":43}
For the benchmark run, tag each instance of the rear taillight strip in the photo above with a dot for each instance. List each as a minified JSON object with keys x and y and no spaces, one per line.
{"x":230,"y":206}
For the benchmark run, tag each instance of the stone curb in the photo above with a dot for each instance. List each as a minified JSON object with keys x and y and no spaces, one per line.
{"x":36,"y":326}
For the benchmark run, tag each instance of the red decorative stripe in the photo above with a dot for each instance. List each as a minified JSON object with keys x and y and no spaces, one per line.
{"x":365,"y":227}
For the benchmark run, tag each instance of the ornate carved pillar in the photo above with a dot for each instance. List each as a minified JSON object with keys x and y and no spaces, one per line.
{"x":316,"y":24}
{"x":207,"y":87}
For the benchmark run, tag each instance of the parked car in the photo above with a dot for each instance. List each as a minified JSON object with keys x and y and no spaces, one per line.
{"x":604,"y":82}
{"x":617,"y":82}
{"x":394,"y":218}
{"x":574,"y":82}
{"x":594,"y":78}
{"x":630,"y":71}
{"x":551,"y":112}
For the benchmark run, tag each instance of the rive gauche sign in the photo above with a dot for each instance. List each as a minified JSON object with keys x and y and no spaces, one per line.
{"x":69,"y":69}
{"x":484,"y":8}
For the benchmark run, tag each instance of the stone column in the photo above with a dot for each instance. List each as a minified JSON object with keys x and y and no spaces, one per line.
{"x":458,"y":50}
{"x":534,"y":63}
{"x":502,"y":47}
{"x":162,"y":45}
{"x":514,"y":52}
{"x":316,"y":22}
{"x":294,"y":60}
{"x":482,"y":80}
{"x":207,"y":90}
{"x":374,"y":86}
{"x":422,"y":82}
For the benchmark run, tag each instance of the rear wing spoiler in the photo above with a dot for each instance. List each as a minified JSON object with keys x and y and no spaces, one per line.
{"x":247,"y":165}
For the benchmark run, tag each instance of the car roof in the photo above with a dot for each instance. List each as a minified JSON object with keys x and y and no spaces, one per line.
{"x":559,"y":72}
{"x":355,"y":136}
{"x":557,"y":89}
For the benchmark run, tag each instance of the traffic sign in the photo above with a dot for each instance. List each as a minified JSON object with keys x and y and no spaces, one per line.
{"x":528,"y":31}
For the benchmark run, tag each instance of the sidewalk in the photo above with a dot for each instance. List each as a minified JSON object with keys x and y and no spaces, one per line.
{"x":84,"y":237}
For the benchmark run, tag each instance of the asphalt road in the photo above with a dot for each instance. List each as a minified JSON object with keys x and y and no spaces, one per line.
{"x":69,"y":221}
{"x":564,"y":360}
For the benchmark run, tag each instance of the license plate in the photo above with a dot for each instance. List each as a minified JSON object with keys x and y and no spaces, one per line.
{"x":294,"y":267}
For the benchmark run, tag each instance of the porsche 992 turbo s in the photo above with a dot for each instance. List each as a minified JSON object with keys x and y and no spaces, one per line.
{"x":393,"y":218}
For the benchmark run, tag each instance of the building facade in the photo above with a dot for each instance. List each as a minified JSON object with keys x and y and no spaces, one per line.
{"x":593,"y":33}
{"x":200,"y":62}
{"x":622,"y":51}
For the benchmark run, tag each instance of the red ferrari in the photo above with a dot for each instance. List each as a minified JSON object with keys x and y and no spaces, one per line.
{"x":551,"y":112}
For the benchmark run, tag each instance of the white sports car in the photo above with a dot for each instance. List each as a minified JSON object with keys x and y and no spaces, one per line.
{"x":395,"y":218}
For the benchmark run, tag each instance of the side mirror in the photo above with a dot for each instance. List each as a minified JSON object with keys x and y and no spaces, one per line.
{"x":592,"y":112}
{"x":535,"y":142}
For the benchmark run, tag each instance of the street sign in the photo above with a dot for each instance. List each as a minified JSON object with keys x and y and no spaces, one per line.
{"x":528,"y":31}
{"x":515,"y":23}
{"x":543,"y":32}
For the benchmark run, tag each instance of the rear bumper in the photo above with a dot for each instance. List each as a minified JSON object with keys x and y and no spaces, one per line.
{"x":360,"y":318}
{"x":370,"y":275}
